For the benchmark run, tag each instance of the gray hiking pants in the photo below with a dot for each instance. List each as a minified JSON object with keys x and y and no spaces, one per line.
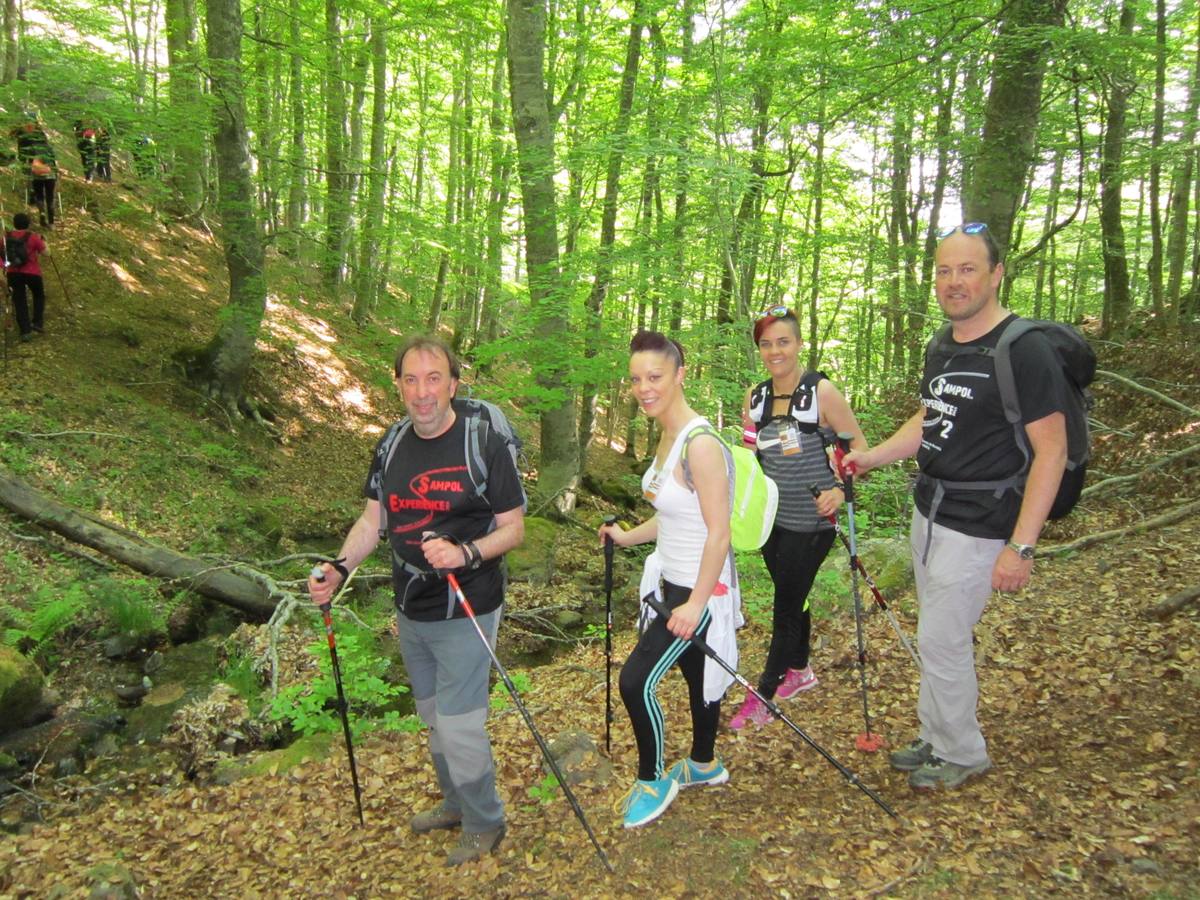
{"x":953,"y":587}
{"x":448,"y":671}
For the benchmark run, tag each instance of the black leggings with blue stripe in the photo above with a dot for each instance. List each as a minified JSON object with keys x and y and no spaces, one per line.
{"x":656,"y":652}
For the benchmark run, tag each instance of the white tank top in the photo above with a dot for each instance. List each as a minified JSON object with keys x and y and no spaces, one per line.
{"x":681,"y":528}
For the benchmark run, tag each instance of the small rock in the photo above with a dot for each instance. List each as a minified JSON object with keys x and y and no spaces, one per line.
{"x":1145,"y":866}
{"x":567,"y":618}
{"x":579,"y":759}
{"x":66,"y":767}
{"x":106,"y":745}
{"x":112,"y":881}
{"x":120,"y":646}
{"x":153,"y":663}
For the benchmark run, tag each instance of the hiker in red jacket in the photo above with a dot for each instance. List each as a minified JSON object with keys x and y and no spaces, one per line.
{"x":22,"y":248}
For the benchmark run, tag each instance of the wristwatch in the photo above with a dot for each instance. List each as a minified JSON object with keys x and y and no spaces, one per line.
{"x":1025,"y":551}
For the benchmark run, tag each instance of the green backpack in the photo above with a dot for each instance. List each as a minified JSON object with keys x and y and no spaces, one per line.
{"x":754,"y":498}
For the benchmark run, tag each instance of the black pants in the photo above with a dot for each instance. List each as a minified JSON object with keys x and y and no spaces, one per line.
{"x":41,"y":195}
{"x":18,"y":283}
{"x":792,"y":558}
{"x":656,"y":652}
{"x":87,"y":156}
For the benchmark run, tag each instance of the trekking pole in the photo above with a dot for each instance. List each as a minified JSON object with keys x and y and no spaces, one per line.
{"x":773,"y":708}
{"x":868,"y":742}
{"x":608,"y":581}
{"x":512,"y":692}
{"x":318,"y":574}
{"x":866,"y":576}
{"x":61,"y":283}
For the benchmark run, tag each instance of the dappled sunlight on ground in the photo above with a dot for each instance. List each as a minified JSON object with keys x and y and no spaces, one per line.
{"x":309,"y":340}
{"x":127,"y":280}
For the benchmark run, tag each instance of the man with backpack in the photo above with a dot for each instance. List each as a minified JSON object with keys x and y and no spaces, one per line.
{"x":21,"y":250}
{"x":976,"y":523}
{"x":36,"y":154}
{"x":85,"y":141}
{"x":444,"y":491}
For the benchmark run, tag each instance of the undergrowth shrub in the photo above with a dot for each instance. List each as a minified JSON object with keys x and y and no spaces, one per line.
{"x":52,"y":610}
{"x":311,"y":708}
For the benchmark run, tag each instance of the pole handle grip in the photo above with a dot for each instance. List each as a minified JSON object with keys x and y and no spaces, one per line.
{"x":816,"y":492}
{"x":846,"y":471}
{"x":608,"y":541}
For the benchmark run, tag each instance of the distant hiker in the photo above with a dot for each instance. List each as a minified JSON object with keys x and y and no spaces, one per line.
{"x":22,"y":248}
{"x":691,"y":571}
{"x":430,"y":488}
{"x":85,"y":141}
{"x":145,"y":156}
{"x":104,"y":153}
{"x":36,"y":154}
{"x":967,"y":538}
{"x":790,"y":419}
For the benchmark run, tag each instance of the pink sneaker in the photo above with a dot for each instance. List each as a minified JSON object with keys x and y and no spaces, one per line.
{"x":751,"y":710}
{"x":795,"y":681}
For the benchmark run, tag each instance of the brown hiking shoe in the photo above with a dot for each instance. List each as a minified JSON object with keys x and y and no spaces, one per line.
{"x":432,"y":819}
{"x":474,"y":845}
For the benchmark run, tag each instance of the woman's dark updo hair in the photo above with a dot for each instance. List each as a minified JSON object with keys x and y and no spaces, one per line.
{"x":645,"y":340}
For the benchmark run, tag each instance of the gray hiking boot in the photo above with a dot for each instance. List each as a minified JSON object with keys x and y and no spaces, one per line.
{"x":474,"y":845}
{"x":438,"y":817}
{"x":912,"y":757}
{"x":938,"y":773}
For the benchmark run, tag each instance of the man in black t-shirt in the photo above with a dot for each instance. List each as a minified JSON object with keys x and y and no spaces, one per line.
{"x":967,"y":541}
{"x":428,"y":490}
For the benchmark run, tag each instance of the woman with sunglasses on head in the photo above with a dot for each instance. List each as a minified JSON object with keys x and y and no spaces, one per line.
{"x":691,"y":571}
{"x":790,"y":419}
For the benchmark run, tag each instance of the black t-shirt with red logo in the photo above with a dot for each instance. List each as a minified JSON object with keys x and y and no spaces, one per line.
{"x":965,"y":436}
{"x":429,"y":488}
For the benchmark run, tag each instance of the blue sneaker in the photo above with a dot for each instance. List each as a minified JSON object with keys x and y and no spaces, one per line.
{"x":647,"y":800}
{"x":687,"y":774}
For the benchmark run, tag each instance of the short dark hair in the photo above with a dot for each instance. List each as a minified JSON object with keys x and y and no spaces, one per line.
{"x":429,"y":345}
{"x":21,"y":221}
{"x":657,"y":342}
{"x":993,"y":249}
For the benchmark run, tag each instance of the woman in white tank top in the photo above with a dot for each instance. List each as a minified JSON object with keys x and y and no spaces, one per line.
{"x":691,"y":569}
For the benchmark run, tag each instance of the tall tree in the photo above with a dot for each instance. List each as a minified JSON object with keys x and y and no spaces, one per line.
{"x":1177,"y":239}
{"x":186,"y":106}
{"x":1011,"y":116}
{"x":608,"y":222}
{"x":558,"y":479}
{"x":366,"y":281}
{"x":1118,"y":302}
{"x":12,"y":22}
{"x":227,"y":359}
{"x":337,"y":181}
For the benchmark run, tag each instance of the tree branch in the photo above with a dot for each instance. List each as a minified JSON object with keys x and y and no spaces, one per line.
{"x":1170,"y":401}
{"x":1180,"y":512}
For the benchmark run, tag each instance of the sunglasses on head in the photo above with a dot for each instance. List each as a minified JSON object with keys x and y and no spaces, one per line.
{"x":776,"y":312}
{"x":968,"y":228}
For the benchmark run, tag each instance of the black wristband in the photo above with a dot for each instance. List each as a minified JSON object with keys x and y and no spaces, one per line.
{"x":337,"y":566}
{"x":474,"y":557}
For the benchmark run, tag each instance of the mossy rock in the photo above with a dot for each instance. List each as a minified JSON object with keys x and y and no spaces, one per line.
{"x":187,"y":673}
{"x":309,"y":747}
{"x":20,"y":688}
{"x":533,"y":561}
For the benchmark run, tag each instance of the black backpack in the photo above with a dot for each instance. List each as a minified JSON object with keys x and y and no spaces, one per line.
{"x":1078,"y":362}
{"x":16,"y":249}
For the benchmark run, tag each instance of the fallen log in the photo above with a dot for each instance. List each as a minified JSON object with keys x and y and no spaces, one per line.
{"x":1164,"y":609}
{"x":218,"y":582}
{"x":1169,"y":518}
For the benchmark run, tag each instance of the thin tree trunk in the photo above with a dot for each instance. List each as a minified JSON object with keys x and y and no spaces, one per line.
{"x":1154,"y":268}
{"x":594,"y":306}
{"x":1118,"y":303}
{"x":1177,"y":238}
{"x":187,"y":116}
{"x":295,"y":216}
{"x":337,"y":198}
{"x":11,"y":60}
{"x":366,"y":278}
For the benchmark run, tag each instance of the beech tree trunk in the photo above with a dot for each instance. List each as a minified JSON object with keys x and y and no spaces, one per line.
{"x":559,"y":476}
{"x":187,"y":119}
{"x":1118,"y":303}
{"x":1011,"y":115}
{"x":226,"y":360}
